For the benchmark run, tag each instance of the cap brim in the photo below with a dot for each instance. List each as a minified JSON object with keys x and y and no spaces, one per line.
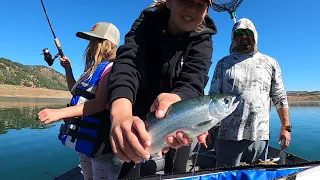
{"x":87,"y":35}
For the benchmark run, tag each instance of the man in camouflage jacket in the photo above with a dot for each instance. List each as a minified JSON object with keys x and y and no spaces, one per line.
{"x":255,"y":79}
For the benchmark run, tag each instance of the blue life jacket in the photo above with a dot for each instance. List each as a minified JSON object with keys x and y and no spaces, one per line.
{"x":87,"y":133}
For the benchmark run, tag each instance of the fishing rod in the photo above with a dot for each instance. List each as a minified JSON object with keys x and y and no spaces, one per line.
{"x":46,"y":53}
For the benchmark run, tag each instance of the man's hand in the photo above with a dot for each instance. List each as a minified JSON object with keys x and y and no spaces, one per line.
{"x":161,"y":105}
{"x":284,"y":118}
{"x":286,"y":136}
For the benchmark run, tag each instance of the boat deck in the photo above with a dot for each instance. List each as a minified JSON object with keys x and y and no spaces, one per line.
{"x":75,"y":173}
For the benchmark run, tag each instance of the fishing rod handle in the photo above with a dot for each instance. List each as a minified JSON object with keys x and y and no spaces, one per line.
{"x":57,"y":42}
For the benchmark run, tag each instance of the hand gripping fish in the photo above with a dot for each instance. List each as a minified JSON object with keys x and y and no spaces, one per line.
{"x":193,"y":116}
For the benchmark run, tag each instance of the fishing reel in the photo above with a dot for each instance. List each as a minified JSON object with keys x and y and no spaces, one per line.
{"x":48,"y":57}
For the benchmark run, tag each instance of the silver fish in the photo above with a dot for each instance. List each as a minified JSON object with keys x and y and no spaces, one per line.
{"x":193,"y":116}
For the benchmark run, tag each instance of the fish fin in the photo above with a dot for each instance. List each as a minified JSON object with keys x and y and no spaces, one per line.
{"x":205,"y":123}
{"x":193,"y":146}
{"x":234,"y":107}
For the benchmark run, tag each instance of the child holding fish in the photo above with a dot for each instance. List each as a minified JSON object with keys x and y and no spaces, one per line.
{"x":165,"y":58}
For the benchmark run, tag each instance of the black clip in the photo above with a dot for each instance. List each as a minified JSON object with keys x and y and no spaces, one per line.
{"x":63,"y":129}
{"x":72,"y":120}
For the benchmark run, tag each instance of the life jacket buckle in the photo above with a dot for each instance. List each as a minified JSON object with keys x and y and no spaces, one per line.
{"x":63,"y":130}
{"x":72,"y":120}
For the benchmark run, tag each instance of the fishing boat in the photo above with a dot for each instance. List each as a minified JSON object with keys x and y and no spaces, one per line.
{"x":202,"y":164}
{"x":292,"y":166}
{"x":205,"y":164}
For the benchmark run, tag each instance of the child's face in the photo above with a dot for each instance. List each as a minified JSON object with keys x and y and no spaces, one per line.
{"x":186,"y":15}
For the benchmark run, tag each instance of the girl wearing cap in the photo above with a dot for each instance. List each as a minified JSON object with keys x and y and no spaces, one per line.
{"x":166,"y":58}
{"x":87,"y":119}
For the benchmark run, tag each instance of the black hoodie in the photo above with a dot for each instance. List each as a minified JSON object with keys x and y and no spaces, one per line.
{"x":151,"y":62}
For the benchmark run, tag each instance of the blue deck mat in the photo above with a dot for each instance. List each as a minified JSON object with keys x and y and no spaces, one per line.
{"x":246,"y":174}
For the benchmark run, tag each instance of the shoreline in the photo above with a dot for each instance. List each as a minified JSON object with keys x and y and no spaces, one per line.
{"x":13,"y":91}
{"x":66,"y":96}
{"x":303,"y":98}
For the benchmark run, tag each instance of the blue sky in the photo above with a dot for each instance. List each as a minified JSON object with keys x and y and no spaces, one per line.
{"x":287,"y":32}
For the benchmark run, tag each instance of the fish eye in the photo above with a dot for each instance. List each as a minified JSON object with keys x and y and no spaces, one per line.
{"x":226,"y":100}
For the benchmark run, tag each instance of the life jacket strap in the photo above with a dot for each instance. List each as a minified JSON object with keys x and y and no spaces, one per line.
{"x":83,"y":93}
{"x":65,"y":130}
{"x":82,"y":124}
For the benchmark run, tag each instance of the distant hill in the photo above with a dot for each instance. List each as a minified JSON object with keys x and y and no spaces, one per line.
{"x":21,"y":76}
{"x":13,"y":73}
{"x":303,"y":93}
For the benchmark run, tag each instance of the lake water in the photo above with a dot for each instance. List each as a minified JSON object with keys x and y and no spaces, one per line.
{"x":30,"y":150}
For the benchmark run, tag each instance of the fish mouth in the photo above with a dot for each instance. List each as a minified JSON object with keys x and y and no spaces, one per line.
{"x":224,"y":107}
{"x":233,"y":105}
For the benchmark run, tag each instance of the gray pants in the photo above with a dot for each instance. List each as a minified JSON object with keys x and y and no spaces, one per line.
{"x":230,"y":153}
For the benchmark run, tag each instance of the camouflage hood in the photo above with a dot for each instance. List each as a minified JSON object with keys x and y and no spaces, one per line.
{"x":243,"y":24}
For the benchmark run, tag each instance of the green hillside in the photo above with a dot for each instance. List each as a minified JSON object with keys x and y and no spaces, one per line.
{"x":14,"y":73}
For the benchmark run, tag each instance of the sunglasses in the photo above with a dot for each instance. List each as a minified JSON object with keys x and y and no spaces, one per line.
{"x":240,"y":32}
